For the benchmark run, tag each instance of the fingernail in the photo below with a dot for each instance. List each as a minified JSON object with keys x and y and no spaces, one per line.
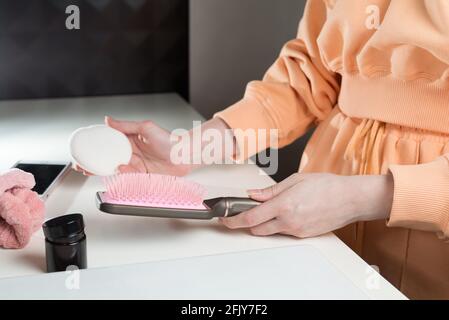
{"x":141,"y":138}
{"x":254,"y":192}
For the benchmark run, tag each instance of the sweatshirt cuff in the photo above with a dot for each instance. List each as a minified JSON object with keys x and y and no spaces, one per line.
{"x":421,"y":197}
{"x":253,"y":128}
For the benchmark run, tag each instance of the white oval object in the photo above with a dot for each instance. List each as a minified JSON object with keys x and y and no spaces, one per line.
{"x":100,"y":149}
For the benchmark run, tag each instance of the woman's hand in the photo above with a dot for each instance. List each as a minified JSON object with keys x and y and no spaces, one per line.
{"x":308,"y":205}
{"x":151,"y":148}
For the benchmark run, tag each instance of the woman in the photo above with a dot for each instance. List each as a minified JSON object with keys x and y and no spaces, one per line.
{"x":373,"y":76}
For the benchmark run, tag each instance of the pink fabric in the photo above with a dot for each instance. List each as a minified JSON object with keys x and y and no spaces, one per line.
{"x":21,"y":210}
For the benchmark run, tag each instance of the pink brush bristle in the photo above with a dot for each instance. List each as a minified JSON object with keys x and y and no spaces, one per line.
{"x":153,"y":190}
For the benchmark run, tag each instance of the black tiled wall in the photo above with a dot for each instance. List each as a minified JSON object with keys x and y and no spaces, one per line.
{"x":123,"y":46}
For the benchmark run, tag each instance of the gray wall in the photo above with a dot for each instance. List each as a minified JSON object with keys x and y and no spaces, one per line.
{"x":121,"y":47}
{"x":233,"y":42}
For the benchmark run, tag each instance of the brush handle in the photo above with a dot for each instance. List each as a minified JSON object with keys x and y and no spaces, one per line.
{"x":231,"y":206}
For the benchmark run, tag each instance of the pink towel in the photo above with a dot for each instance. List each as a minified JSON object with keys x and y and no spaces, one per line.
{"x":21,"y":210}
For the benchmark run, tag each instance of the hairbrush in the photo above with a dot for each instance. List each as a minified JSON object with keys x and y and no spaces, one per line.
{"x":164,"y":196}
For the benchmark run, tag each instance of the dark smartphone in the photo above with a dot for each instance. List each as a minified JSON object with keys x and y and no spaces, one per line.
{"x":46,"y":174}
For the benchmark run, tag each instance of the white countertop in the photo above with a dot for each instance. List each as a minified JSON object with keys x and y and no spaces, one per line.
{"x":39,"y":129}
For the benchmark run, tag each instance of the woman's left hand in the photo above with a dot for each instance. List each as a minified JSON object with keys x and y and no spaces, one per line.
{"x":308,"y":205}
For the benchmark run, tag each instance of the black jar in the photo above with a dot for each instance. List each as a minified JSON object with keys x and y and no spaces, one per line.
{"x":65,"y":243}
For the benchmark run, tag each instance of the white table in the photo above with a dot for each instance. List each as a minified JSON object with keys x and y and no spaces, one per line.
{"x":39,"y":129}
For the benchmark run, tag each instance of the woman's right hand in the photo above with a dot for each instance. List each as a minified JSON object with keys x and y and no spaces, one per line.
{"x":151,"y":147}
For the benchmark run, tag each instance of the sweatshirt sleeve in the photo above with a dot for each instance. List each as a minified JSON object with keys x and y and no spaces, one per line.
{"x":421,"y":196}
{"x":297,"y":91}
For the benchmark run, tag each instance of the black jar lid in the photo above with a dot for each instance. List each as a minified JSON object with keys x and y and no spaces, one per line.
{"x":64,"y":229}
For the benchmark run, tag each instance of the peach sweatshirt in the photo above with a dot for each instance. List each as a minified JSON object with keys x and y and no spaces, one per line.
{"x":383,"y":65}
